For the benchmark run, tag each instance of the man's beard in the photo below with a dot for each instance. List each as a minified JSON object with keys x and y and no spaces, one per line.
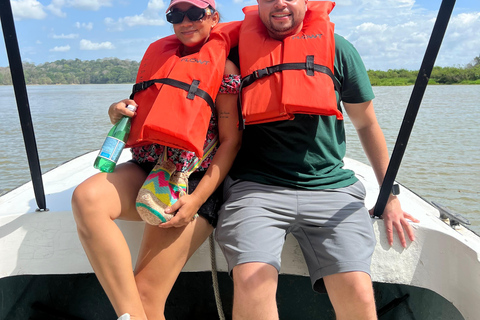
{"x":282,"y":29}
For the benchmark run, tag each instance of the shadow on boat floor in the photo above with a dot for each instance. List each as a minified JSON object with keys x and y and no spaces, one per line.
{"x":80,"y":297}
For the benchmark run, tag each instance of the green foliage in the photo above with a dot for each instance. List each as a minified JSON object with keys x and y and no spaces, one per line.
{"x":440,"y":75}
{"x":114,"y":70}
{"x":399,"y":77}
{"x":76,"y":71}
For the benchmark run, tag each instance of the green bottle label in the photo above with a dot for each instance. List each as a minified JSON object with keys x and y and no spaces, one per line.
{"x":112,"y":148}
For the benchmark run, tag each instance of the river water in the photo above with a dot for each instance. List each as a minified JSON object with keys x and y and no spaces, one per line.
{"x":441,"y":163}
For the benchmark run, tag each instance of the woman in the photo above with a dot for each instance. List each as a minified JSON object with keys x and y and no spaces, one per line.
{"x":104,"y":197}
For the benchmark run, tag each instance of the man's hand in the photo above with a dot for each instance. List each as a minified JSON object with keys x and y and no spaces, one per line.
{"x":395,"y":217}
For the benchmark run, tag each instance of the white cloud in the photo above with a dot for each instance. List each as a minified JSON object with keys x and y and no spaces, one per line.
{"x":27,"y":9}
{"x":89,"y":4}
{"x":400,"y":45}
{"x":89,"y":45}
{"x":462,"y":41}
{"x":151,"y":16}
{"x":132,"y":21}
{"x":245,"y":2}
{"x":65,"y":36}
{"x":60,"y":49}
{"x":393,"y":34}
{"x":84,"y":25}
{"x":55,"y":7}
{"x":156,"y":5}
{"x":389,"y":34}
{"x":33,"y":9}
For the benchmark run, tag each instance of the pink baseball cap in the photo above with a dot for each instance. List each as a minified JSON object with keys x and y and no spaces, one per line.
{"x":197,"y":3}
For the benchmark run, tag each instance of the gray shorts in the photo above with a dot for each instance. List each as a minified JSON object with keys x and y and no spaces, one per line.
{"x":332,"y":227}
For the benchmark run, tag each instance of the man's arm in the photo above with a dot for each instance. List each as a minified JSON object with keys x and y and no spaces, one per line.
{"x":373,"y":142}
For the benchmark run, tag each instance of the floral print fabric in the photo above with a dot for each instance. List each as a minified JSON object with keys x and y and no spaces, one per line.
{"x":182,"y":158}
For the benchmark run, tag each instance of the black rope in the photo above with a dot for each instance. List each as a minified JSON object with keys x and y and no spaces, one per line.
{"x":419,"y":88}
{"x":21,"y":96}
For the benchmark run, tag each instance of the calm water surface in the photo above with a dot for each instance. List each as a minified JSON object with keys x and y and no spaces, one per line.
{"x":441,"y":163}
{"x":442,"y":159}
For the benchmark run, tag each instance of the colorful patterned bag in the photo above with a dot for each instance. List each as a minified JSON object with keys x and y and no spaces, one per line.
{"x":164,"y":186}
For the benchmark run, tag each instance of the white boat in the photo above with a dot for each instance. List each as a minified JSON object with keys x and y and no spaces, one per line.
{"x":42,"y":262}
{"x":44,"y":272}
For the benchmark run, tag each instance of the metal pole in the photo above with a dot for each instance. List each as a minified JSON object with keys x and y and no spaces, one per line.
{"x":18,"y":78}
{"x":419,"y":88}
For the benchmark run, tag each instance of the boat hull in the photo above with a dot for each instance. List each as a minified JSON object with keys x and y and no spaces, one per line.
{"x":80,"y":296}
{"x":442,"y":265}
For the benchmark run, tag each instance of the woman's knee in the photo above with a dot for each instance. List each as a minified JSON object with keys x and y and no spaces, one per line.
{"x":89,"y":201}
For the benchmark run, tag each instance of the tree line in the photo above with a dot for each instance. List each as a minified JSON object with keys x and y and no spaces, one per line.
{"x":100,"y":71}
{"x":113,"y":70}
{"x":470,"y":74}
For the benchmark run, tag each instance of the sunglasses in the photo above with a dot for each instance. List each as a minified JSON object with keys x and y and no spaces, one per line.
{"x":193,"y":14}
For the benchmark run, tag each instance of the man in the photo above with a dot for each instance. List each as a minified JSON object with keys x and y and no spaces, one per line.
{"x":289,"y":176}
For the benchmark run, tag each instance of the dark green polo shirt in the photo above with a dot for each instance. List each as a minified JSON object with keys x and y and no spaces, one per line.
{"x":306,"y":152}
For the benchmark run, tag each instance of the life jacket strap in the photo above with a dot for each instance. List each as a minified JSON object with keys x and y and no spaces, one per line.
{"x":192,"y":89}
{"x":309,"y":65}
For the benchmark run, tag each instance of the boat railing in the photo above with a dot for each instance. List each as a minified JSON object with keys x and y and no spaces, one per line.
{"x":21,"y":96}
{"x":433,"y":47}
{"x":18,"y":79}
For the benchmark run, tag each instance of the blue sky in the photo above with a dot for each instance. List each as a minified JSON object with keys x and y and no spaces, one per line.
{"x":389,"y":34}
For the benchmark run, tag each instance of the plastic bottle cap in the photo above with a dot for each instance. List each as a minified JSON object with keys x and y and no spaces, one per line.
{"x":131,"y":108}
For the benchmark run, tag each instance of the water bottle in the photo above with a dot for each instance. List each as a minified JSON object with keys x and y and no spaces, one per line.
{"x":114,"y":143}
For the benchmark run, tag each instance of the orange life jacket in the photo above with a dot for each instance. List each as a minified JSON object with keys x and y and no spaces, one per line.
{"x":176,"y":95}
{"x":295,"y":75}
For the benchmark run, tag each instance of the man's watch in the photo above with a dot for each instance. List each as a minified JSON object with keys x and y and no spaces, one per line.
{"x":395,"y":189}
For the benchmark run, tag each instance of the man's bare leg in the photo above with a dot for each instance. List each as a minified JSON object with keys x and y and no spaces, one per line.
{"x":255,"y":288}
{"x":351,"y":294}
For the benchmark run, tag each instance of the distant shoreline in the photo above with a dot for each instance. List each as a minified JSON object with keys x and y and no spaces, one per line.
{"x":390,"y":83}
{"x":430,"y":83}
{"x":116,"y":71}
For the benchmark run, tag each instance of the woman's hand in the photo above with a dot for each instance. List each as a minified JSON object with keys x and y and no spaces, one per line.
{"x":186,"y":207}
{"x":119,"y":109}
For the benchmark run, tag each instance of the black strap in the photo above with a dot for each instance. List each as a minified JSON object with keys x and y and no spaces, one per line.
{"x":308,"y":65}
{"x":192,"y":89}
{"x":258,"y":74}
{"x":19,"y":86}
{"x":414,"y":103}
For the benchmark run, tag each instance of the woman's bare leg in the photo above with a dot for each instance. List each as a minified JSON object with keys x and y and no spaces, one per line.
{"x":162,"y":256}
{"x":96,"y":203}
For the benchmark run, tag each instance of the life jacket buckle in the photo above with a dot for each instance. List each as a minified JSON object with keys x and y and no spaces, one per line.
{"x":137,"y":87}
{"x":260,"y":73}
{"x":141,"y":86}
